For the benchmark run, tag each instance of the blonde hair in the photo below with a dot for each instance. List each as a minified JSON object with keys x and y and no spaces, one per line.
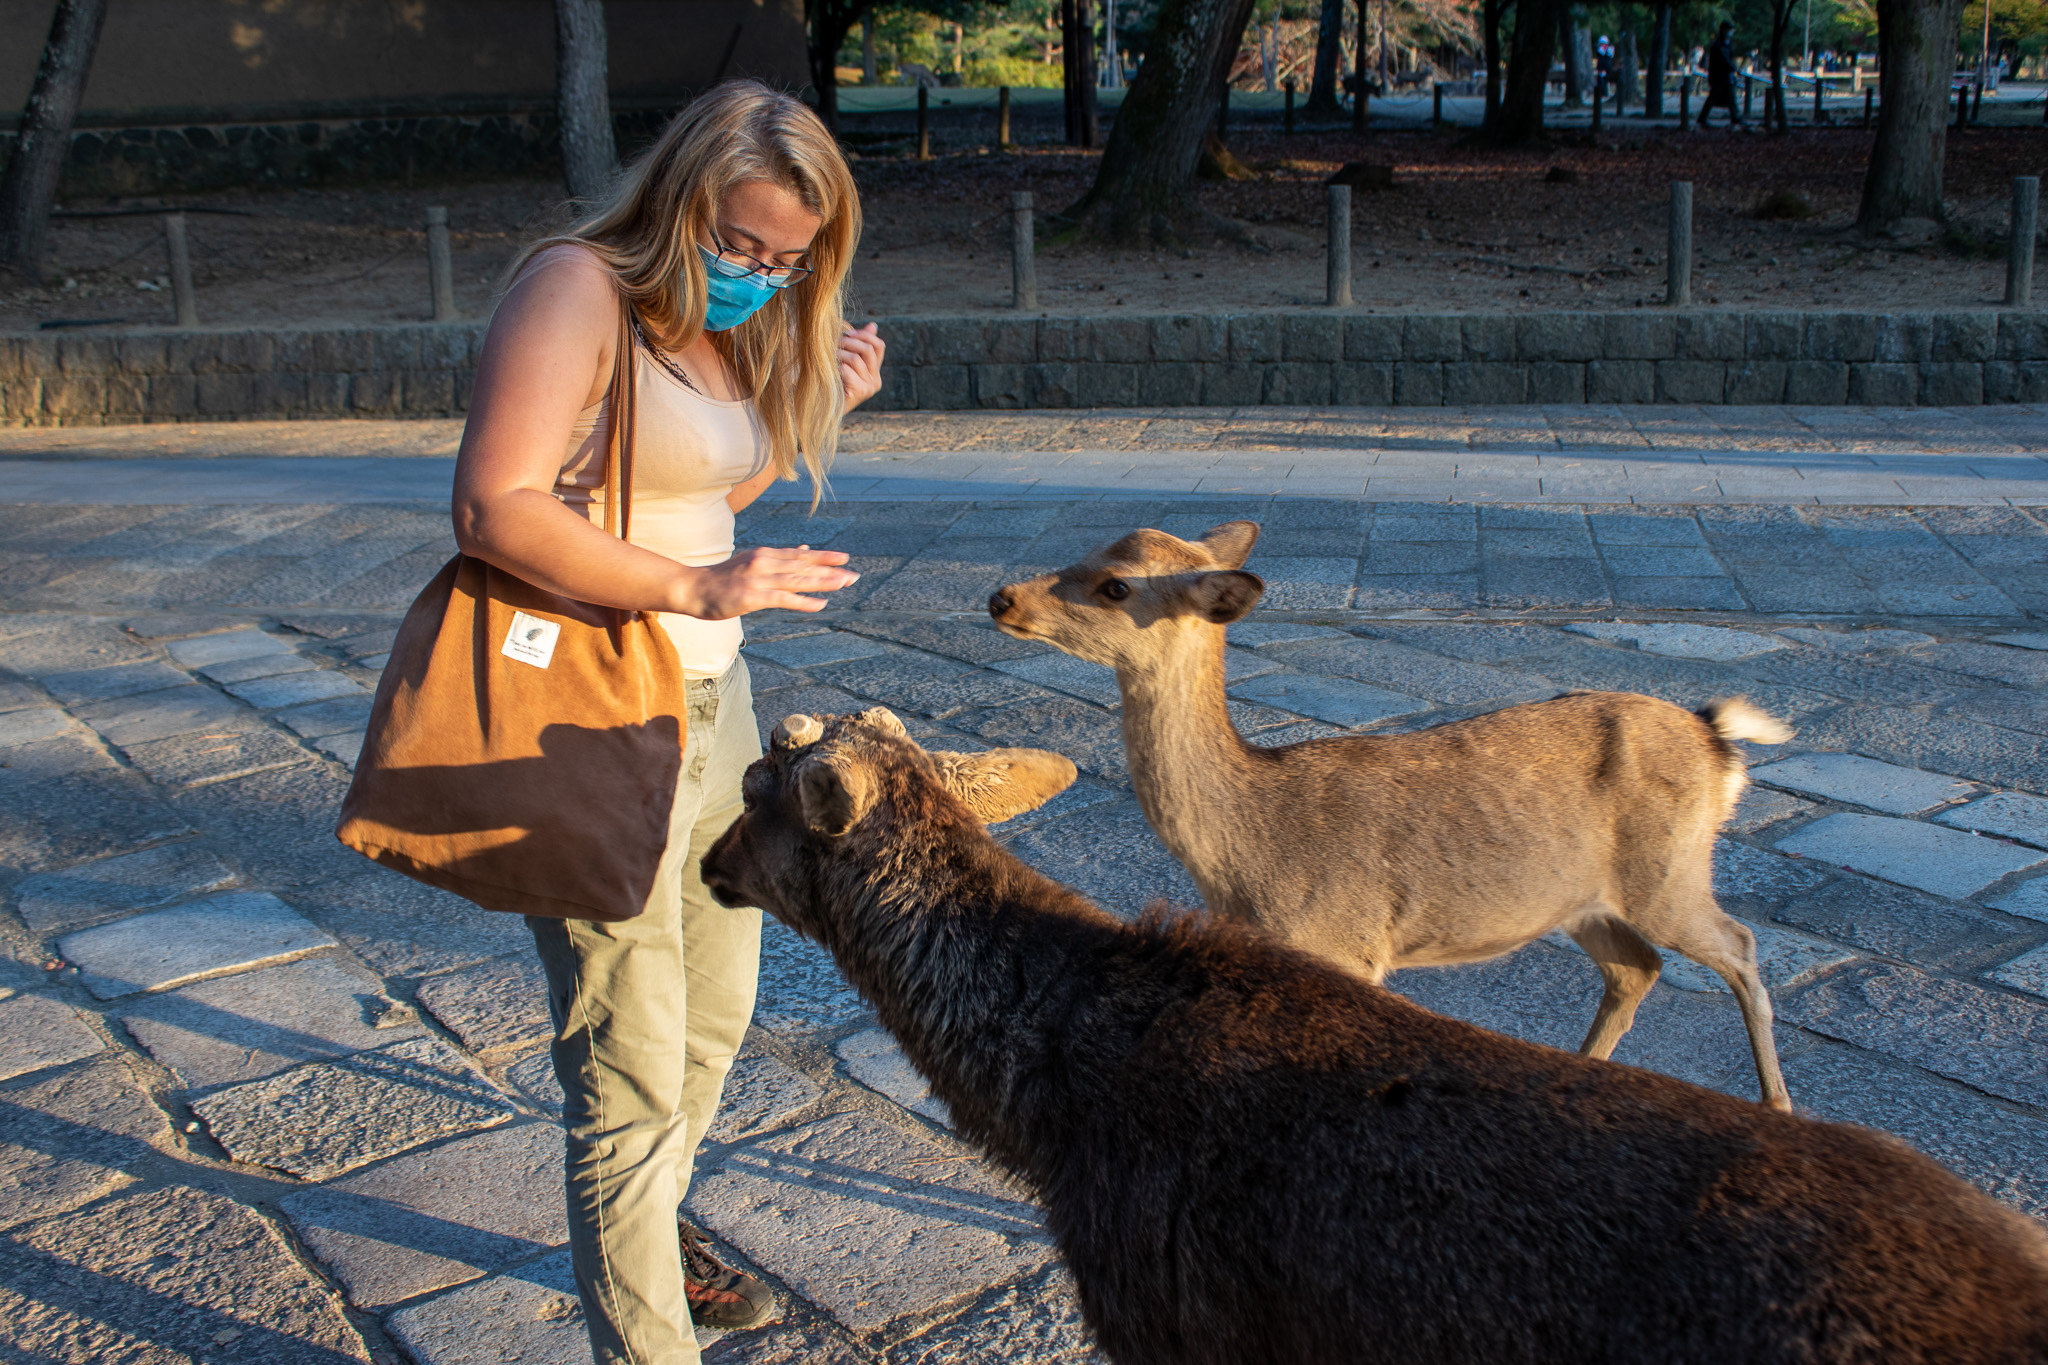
{"x":786,"y":355}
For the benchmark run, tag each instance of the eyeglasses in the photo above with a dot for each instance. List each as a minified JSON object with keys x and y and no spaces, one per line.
{"x":737,"y":265}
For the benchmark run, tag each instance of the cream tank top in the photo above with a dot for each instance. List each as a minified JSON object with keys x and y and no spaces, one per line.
{"x":689,"y":451}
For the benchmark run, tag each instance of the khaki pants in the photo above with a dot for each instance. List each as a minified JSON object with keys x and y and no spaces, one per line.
{"x":648,"y":1014}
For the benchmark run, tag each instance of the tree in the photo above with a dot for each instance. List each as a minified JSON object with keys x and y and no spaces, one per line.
{"x":1144,"y":190}
{"x":1490,"y":21}
{"x":1322,"y":90}
{"x":1628,"y":76}
{"x":1518,"y":119}
{"x":28,"y":191}
{"x":1660,"y":61}
{"x":1916,"y":54}
{"x":1077,"y":50}
{"x":1575,"y":80}
{"x":827,"y":23}
{"x":583,"y":100}
{"x":1781,"y":28}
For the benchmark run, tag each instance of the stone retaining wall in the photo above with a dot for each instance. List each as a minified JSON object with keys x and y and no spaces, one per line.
{"x":188,"y":156}
{"x":1302,"y":359}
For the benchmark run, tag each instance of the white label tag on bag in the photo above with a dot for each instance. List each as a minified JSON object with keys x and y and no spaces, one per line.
{"x":531,"y":640}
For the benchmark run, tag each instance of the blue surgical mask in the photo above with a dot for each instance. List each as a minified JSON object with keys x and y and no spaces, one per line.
{"x":729,"y":302}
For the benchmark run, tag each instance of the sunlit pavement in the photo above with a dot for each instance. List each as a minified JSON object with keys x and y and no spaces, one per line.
{"x":268,"y":1102}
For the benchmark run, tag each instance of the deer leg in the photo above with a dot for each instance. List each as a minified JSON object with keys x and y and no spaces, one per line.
{"x":1629,"y":966}
{"x":1726,"y":947}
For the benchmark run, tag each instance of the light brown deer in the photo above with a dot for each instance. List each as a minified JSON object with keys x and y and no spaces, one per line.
{"x":1593,"y":812}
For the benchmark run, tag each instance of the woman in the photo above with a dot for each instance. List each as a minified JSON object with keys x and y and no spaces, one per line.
{"x":730,"y":239}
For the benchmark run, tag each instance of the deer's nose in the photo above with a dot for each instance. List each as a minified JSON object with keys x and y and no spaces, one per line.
{"x":1000,"y":602}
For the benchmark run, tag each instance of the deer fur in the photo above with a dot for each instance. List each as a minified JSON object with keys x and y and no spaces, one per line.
{"x":1593,"y":812}
{"x":1248,"y":1154}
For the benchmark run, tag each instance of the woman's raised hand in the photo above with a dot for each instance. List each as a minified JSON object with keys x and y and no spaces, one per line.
{"x":860,"y":363}
{"x":760,"y":578}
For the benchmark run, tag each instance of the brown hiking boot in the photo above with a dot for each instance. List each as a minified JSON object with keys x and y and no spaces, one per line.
{"x":720,"y":1296}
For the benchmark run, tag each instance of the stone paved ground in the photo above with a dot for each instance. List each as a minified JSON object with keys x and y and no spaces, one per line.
{"x":266,"y":1102}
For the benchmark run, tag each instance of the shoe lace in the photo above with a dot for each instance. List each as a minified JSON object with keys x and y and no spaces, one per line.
{"x":698,"y":1262}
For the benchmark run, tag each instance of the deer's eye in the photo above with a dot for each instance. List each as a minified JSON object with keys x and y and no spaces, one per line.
{"x":1116,"y":590}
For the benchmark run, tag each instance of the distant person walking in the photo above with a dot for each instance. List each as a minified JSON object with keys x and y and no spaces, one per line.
{"x":1721,"y":77}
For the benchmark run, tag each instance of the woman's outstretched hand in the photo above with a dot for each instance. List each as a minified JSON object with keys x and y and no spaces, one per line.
{"x":860,"y":363}
{"x":761,"y":578}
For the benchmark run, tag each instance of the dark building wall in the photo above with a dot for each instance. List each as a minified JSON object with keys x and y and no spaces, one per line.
{"x":208,"y":94}
{"x":273,"y":59}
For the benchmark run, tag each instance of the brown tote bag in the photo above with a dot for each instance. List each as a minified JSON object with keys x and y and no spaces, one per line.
{"x":524,"y":747}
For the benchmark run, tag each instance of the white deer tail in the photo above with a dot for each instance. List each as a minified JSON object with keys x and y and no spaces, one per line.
{"x":1737,"y":718}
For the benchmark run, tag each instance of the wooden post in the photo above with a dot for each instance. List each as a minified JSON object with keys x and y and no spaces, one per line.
{"x":2019,"y":247}
{"x":1287,"y":118}
{"x":1748,"y":95}
{"x":1869,"y":104}
{"x":181,"y":270}
{"x":440,"y":265}
{"x":1340,"y":246}
{"x":1436,"y":119}
{"x":1023,"y":262}
{"x":1684,"y":102}
{"x":1820,"y":113}
{"x":1599,"y":98}
{"x":1678,"y":257}
{"x":1003,"y":116}
{"x":924,"y":123}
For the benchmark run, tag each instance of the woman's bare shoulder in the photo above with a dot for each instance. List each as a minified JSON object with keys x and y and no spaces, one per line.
{"x":564,"y":284}
{"x":572,"y":258}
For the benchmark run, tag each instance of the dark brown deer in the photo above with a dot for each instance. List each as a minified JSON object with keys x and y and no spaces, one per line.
{"x":1248,"y":1154}
{"x":1594,"y":812}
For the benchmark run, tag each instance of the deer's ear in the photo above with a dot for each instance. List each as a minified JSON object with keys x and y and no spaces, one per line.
{"x":1004,"y":782}
{"x":1231,"y":543}
{"x":1225,"y":595}
{"x":796,"y":732}
{"x":881,"y":720}
{"x":835,"y":794}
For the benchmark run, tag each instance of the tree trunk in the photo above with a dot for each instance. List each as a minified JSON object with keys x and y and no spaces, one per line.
{"x":28,"y":191}
{"x":1322,"y":92}
{"x":1535,"y":42}
{"x":867,"y":47}
{"x":1084,"y":124}
{"x":1781,"y":26}
{"x":1627,"y":70}
{"x":1660,"y":61}
{"x":1144,"y":191}
{"x":827,"y":22}
{"x":583,"y":102}
{"x":1574,"y":70}
{"x":1916,"y":41}
{"x":1490,"y":17}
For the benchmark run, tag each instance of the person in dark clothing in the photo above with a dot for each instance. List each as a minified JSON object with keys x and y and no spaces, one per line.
{"x":1721,"y":77}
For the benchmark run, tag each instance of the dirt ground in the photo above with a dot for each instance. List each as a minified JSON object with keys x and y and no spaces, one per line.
{"x":1564,"y":227}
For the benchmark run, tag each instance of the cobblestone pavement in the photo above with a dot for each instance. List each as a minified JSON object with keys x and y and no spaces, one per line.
{"x":267,"y":1102}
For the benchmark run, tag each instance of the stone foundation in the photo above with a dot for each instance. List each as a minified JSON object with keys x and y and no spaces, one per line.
{"x":1296,"y":359}
{"x":209,"y":153}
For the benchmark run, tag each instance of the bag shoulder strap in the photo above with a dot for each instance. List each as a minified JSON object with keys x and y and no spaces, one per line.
{"x":618,"y":455}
